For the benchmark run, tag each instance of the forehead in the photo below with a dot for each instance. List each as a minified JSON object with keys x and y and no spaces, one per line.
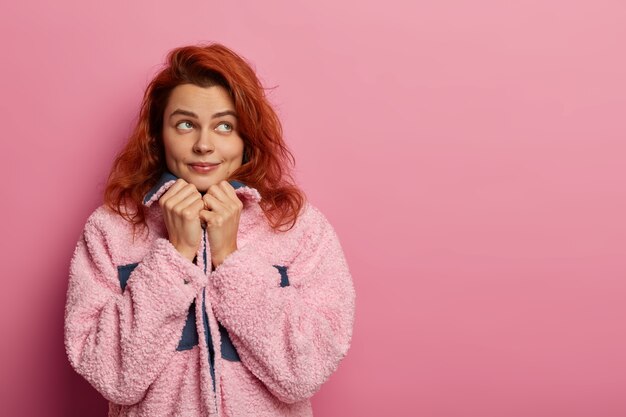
{"x":201,"y":100}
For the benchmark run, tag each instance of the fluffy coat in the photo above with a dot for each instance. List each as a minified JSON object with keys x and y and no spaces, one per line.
{"x":283,"y":303}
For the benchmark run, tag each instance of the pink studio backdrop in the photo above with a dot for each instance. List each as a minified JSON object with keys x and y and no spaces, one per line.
{"x":470,"y":154}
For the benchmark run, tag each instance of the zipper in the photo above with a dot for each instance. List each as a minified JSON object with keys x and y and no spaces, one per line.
{"x":205,"y":322}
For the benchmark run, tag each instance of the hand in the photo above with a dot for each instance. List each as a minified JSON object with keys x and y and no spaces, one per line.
{"x":221,"y":215}
{"x":181,"y":205}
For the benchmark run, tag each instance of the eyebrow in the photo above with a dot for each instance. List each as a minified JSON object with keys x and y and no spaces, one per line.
{"x":195,"y":116}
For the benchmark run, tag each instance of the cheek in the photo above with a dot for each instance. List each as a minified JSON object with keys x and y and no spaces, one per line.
{"x":240,"y":149}
{"x":234,"y":151}
{"x":172,"y":152}
{"x":173,"y":159}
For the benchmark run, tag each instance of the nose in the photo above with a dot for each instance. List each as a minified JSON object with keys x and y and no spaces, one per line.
{"x":204,"y":143}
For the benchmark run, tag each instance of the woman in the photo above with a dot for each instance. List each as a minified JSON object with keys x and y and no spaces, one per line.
{"x":206,"y":285}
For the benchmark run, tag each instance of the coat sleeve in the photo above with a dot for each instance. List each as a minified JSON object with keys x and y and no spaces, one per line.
{"x":120,"y":340}
{"x":291,"y":338}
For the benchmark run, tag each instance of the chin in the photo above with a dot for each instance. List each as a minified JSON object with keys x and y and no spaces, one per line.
{"x":203,"y":186}
{"x":204,"y":189}
{"x":201,"y":182}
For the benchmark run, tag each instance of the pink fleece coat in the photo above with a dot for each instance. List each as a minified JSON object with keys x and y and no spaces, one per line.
{"x":283,"y":302}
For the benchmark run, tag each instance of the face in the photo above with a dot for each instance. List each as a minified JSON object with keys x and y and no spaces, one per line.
{"x":202,"y":145}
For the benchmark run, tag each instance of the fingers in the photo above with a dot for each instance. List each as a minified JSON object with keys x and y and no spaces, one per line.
{"x":215,"y":219}
{"x":216,"y":193}
{"x":209,"y":218}
{"x":230,"y":191}
{"x":189,"y":207}
{"x":178,"y":185}
{"x":221,"y":216}
{"x":180,"y":205}
{"x":221,"y":197}
{"x":182,"y":196}
{"x":179,"y":192}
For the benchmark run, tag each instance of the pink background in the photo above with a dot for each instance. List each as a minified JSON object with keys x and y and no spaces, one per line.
{"x":470,"y":154}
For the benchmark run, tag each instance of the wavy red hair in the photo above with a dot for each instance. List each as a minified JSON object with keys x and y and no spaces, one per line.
{"x":266,"y":163}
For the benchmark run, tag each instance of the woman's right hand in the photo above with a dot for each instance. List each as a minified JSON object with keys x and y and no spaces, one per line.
{"x":181,"y":206}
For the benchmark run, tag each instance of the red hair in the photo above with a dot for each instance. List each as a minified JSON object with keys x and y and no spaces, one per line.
{"x":266,"y":161}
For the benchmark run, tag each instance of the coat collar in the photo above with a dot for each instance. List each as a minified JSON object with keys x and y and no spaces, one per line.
{"x":168,"y":179}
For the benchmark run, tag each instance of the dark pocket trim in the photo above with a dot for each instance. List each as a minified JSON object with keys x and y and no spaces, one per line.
{"x":123,"y":273}
{"x":189,"y":337}
{"x":284,"y":279}
{"x":228,"y":349}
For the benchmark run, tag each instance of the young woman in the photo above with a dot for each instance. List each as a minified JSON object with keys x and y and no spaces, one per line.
{"x":206,"y":285}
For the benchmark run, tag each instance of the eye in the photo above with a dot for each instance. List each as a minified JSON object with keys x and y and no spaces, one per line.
{"x":224,"y":127}
{"x":184,"y":125}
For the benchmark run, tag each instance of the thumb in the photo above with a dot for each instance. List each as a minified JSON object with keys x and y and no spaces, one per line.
{"x":205,"y":216}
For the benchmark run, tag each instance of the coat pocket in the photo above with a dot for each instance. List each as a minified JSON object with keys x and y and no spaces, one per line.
{"x":228,"y":349}
{"x":189,"y":336}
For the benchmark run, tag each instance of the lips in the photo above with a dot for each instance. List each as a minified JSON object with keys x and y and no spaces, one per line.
{"x":204,"y":167}
{"x":204,"y":164}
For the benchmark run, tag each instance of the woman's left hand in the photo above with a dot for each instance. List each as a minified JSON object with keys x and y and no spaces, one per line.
{"x":222,"y":209}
